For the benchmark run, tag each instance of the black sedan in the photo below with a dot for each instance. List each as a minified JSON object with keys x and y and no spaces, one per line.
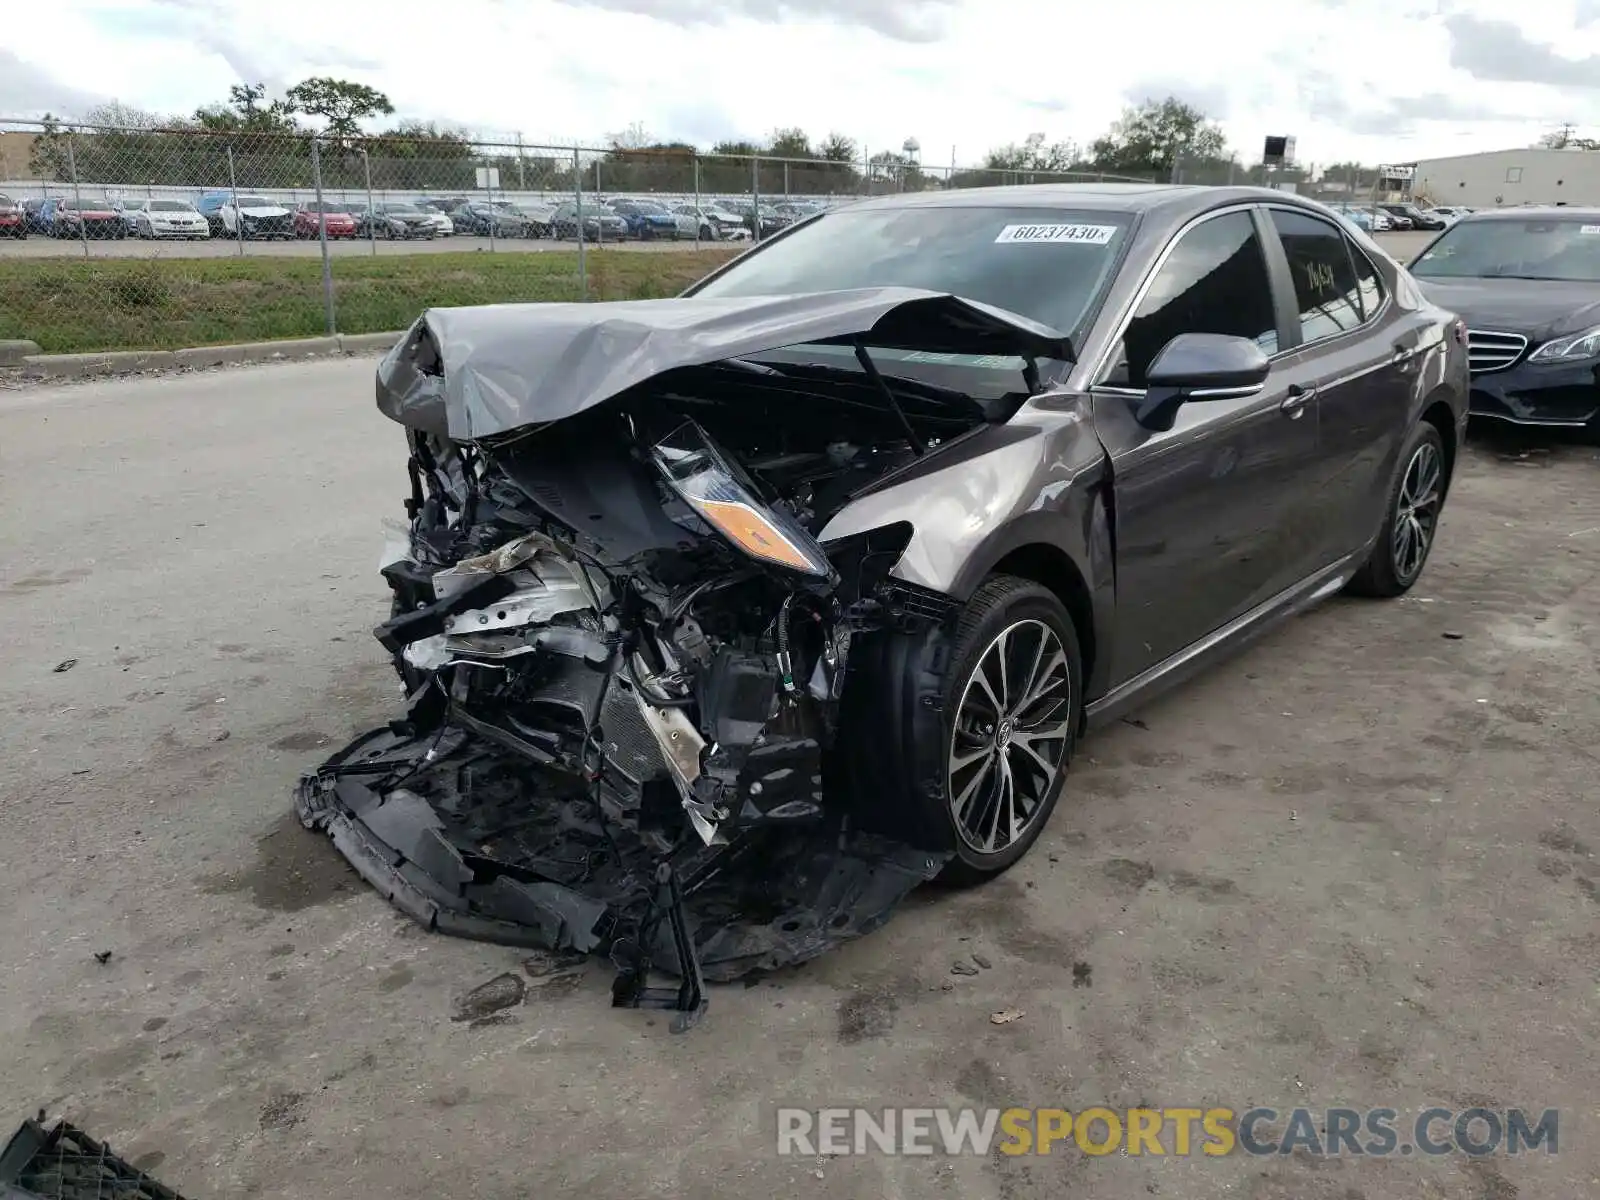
{"x":395,"y":221}
{"x":600,"y":224}
{"x":848,"y":546}
{"x":484,"y":219}
{"x":1527,"y":282}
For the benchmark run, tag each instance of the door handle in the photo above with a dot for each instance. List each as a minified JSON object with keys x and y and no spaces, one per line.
{"x":1294,"y":404}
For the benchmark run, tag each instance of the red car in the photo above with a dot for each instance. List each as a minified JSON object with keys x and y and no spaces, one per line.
{"x":13,"y":221}
{"x":337,"y":218}
{"x":88,"y":218}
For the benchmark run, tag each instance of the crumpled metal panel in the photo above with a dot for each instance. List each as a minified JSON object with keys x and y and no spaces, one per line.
{"x":475,"y":372}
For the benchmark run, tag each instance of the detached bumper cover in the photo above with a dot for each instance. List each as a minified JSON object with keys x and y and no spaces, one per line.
{"x":558,"y":873}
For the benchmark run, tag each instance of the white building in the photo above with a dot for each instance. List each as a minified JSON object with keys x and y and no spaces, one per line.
{"x":1501,"y":178}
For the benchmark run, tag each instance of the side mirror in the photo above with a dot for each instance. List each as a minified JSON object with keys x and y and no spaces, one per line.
{"x":1199,"y":366}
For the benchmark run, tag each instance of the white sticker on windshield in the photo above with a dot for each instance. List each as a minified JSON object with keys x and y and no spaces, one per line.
{"x":1589,"y":228}
{"x":1087,"y":235}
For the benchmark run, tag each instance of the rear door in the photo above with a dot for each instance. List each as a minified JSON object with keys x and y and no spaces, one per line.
{"x":1362,"y":357}
{"x":1209,"y":515}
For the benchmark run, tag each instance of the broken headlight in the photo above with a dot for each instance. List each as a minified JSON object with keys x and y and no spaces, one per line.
{"x":710,"y":486}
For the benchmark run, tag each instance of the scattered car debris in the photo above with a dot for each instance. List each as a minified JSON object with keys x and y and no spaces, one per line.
{"x":961,"y":967}
{"x":625,"y":648}
{"x":500,"y":993}
{"x":102,"y":956}
{"x":1082,"y":975}
{"x":66,"y":664}
{"x":1006,"y":1016}
{"x":1451,"y":635}
{"x":982,"y":961}
{"x":542,"y":963}
{"x":65,"y":1163}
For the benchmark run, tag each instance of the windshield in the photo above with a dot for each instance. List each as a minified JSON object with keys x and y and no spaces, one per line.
{"x":402,"y":210}
{"x":648,"y":206}
{"x":1553,"y":249}
{"x":255,"y":202}
{"x":1047,"y":264}
{"x":169,"y":206}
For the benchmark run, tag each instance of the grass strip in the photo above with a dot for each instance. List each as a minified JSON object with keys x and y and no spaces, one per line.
{"x":80,"y":306}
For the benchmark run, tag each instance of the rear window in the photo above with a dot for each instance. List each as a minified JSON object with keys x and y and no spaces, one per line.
{"x":1050,"y":265}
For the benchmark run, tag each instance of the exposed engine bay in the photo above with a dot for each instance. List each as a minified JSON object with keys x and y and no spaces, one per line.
{"x":641,"y":693}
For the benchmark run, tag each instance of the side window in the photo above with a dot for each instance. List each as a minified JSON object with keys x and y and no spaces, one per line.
{"x":1325,"y":289}
{"x":1368,"y":285}
{"x":1214,"y":281}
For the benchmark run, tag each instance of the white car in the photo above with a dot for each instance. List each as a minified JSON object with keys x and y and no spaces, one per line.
{"x":1448,"y":213}
{"x":259,"y":217}
{"x":711,"y":223}
{"x":443,"y":226}
{"x":169,"y":219}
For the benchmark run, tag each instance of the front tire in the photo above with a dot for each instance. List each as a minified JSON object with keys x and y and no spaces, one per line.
{"x":1411,"y":519}
{"x":982,"y":718}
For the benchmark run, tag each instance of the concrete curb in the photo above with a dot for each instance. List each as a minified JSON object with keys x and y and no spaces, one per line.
{"x":131,"y":362}
{"x":13,"y":353}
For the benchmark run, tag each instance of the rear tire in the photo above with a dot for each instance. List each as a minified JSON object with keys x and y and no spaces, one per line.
{"x":1411,"y":518}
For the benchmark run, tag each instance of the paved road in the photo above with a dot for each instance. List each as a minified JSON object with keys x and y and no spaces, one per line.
{"x":1401,"y":245}
{"x":1353,"y":866}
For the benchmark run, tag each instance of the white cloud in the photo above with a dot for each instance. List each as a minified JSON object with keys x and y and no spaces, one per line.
{"x":1364,"y":79}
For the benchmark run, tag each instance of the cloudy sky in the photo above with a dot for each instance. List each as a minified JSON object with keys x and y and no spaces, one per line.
{"x":1371,"y":80}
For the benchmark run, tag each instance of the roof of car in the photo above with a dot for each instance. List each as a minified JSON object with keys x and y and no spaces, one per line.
{"x":1112,"y":197}
{"x":1535,"y":211}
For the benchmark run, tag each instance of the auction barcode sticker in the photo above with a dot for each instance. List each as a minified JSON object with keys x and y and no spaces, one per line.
{"x":1088,"y":235}
{"x":1589,"y":229}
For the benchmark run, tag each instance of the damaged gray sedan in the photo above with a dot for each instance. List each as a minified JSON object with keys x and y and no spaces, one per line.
{"x":725,"y":621}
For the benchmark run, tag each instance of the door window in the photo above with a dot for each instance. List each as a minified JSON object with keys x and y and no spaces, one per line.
{"x":1326,"y":291}
{"x":1214,"y":281}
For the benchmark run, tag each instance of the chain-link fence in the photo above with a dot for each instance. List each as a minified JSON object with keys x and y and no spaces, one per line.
{"x":152,"y":238}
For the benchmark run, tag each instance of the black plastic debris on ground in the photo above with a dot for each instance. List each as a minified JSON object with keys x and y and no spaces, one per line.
{"x":64,"y":1163}
{"x":463,"y":837}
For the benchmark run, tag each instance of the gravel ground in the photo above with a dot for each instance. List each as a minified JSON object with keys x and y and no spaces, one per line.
{"x":1355,"y":865}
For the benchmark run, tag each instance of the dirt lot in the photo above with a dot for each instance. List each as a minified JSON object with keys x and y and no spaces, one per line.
{"x":1355,"y":866}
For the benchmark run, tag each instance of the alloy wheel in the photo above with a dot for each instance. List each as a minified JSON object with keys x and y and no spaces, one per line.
{"x":1010,"y":736}
{"x":1417,"y":511}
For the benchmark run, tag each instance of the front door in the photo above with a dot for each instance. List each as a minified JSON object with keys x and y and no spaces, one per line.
{"x":1210,"y":516}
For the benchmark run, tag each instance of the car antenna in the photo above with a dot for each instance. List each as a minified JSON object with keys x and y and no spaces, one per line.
{"x":871,"y":368}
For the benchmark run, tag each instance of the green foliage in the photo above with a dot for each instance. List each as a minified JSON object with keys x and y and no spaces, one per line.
{"x":341,"y":104}
{"x":127,"y":304}
{"x":1150,"y":139}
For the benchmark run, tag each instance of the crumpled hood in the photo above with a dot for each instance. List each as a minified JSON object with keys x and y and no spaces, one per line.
{"x":1540,"y":309}
{"x":470,"y":373}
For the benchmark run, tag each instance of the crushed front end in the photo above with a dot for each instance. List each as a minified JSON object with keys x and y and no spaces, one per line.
{"x":631,"y":711}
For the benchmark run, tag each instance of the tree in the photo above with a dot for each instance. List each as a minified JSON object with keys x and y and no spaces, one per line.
{"x":836,"y":148}
{"x":1151,"y":139}
{"x":1034,"y":156}
{"x":343,"y":105}
{"x":47,"y":157}
{"x":790,"y":143}
{"x":1565,"y":138}
{"x":245,"y":98}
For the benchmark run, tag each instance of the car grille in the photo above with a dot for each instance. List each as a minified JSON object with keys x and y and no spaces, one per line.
{"x":1491,"y":351}
{"x":281,"y":224}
